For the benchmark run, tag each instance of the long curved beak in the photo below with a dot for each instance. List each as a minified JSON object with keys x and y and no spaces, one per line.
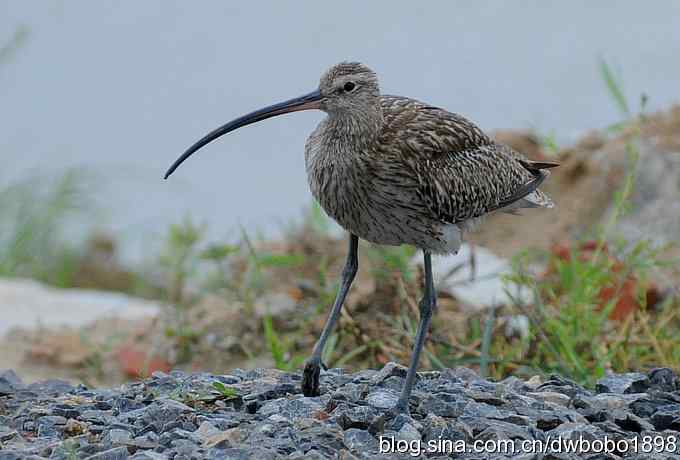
{"x":306,"y":102}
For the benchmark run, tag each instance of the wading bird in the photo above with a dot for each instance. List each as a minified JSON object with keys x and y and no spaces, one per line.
{"x":392,"y":170}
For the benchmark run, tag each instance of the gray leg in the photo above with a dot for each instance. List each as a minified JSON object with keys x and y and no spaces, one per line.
{"x":427,"y":306}
{"x":310,"y":375}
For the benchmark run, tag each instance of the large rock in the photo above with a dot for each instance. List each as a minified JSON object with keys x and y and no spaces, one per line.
{"x":655,"y":208}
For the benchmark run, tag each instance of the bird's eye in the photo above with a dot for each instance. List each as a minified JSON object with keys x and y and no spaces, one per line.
{"x":349,"y":86}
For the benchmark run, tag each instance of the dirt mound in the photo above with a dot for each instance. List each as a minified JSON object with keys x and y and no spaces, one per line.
{"x":584,"y":186}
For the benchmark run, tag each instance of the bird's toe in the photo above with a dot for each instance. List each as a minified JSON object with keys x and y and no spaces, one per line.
{"x":310,"y":377}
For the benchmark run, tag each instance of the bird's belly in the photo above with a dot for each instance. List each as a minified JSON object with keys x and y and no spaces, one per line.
{"x":349,"y":203}
{"x":395,"y":226}
{"x":359,"y":216}
{"x":372,"y":204}
{"x":379,"y":216}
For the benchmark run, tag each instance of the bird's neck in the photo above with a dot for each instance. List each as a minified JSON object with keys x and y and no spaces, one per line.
{"x":358,"y":129}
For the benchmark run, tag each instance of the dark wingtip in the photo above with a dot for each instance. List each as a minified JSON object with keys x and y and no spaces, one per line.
{"x":526,"y":189}
{"x":543,"y":164}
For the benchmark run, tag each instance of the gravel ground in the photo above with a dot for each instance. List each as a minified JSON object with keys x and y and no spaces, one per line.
{"x":260,"y":414}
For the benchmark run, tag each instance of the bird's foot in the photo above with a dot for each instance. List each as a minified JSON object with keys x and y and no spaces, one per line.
{"x":310,"y":377}
{"x":401,"y":408}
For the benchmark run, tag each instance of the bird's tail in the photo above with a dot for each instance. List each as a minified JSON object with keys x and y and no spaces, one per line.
{"x":536,"y":198}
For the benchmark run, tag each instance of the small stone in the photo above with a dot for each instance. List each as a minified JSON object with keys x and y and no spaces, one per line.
{"x":185,"y":448}
{"x":664,"y":379}
{"x":118,"y":453}
{"x":547,"y":420}
{"x":223,"y":439}
{"x":48,"y":425}
{"x":354,"y":416}
{"x":460,"y":374}
{"x":350,"y":392}
{"x":394,"y":383}
{"x":164,"y":411}
{"x":149,"y":455}
{"x":436,"y":428}
{"x":117,"y":436}
{"x":515,"y":419}
{"x":126,"y":405}
{"x":534,"y":381}
{"x":645,"y":407}
{"x":552,"y":397}
{"x":328,"y":440}
{"x":397,"y":423}
{"x":479,"y":410}
{"x":631,"y":422}
{"x":359,"y":440}
{"x":612,"y":401}
{"x":493,"y":430}
{"x":277,"y":418}
{"x":485,"y":397}
{"x":98,"y":417}
{"x":442,"y":404}
{"x":66,"y":410}
{"x":390,"y":369}
{"x":7,"y":434}
{"x":228,"y":379}
{"x":382,"y":399}
{"x":632,"y":382}
{"x":9,"y":382}
{"x":169,"y":437}
{"x":298,"y":407}
{"x":408,"y":433}
{"x":51,"y":387}
{"x":55,"y":419}
{"x":363,"y":376}
{"x":558,"y":384}
{"x":145,"y":441}
{"x":663,"y":420}
{"x":207,"y":429}
{"x":74,"y":427}
{"x":266,"y":429}
{"x":305,"y":423}
{"x":574,"y":431}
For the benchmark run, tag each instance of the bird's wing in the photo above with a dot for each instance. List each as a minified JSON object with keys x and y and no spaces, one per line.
{"x":461,"y":172}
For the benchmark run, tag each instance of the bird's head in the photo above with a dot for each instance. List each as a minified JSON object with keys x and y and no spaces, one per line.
{"x":345,"y":89}
{"x":349,"y":87}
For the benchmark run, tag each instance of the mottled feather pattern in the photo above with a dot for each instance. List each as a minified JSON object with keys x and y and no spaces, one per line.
{"x":462,"y":173}
{"x":394,"y":170}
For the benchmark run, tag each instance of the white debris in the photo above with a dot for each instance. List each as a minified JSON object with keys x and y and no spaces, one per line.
{"x":26,"y":303}
{"x":479,"y":287}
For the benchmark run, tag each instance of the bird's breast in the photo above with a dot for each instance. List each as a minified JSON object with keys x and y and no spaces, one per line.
{"x":336,"y":181}
{"x":364,"y":198}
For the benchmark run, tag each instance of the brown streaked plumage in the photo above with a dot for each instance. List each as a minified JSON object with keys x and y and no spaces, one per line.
{"x":425,"y":176}
{"x":393,"y":170}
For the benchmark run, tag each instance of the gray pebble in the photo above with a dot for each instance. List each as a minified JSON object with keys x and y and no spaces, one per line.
{"x":270,"y":419}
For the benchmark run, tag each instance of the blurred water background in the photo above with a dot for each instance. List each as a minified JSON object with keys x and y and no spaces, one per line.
{"x":121,"y":89}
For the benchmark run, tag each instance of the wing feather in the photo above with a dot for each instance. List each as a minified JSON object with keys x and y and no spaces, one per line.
{"x":461,"y":172}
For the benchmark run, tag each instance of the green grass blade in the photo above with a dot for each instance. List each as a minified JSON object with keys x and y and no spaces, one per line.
{"x":614,"y":87}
